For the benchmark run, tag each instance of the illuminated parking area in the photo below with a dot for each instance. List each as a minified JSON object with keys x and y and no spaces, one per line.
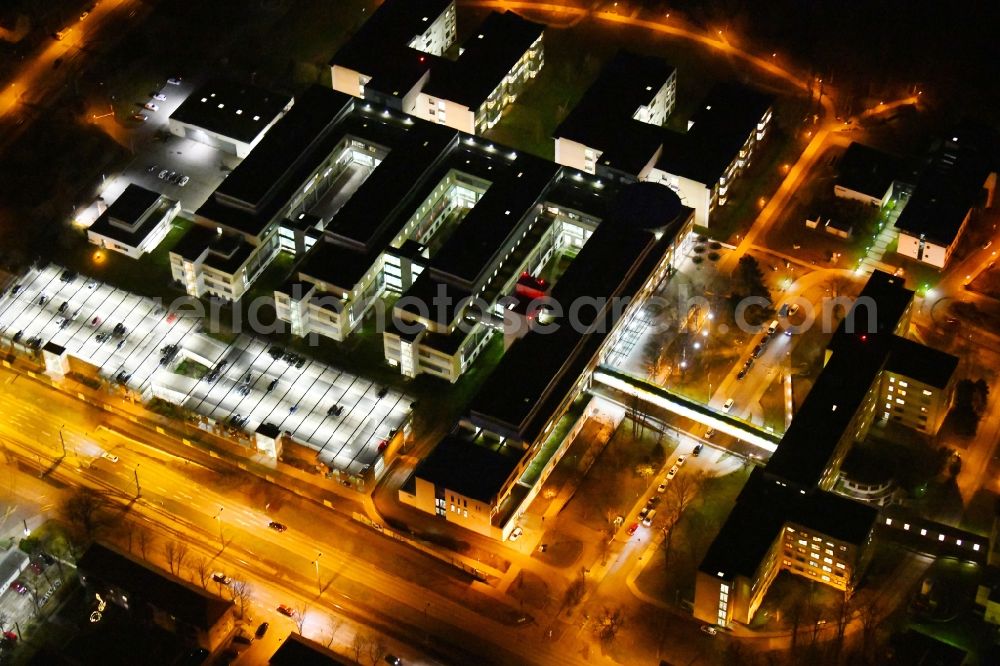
{"x":343,"y":417}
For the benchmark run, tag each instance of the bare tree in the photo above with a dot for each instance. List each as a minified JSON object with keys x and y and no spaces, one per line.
{"x":608,"y":624}
{"x":86,"y":512}
{"x":335,"y":624}
{"x":376,"y":649}
{"x":300,"y":616}
{"x":242,"y":593}
{"x":175,"y":553}
{"x":680,"y":492}
{"x":145,"y":541}
{"x":200,"y":566}
{"x":359,"y":646}
{"x":128,"y":531}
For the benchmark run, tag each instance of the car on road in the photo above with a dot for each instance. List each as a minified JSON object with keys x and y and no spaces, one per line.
{"x":393,"y":660}
{"x":276,"y":526}
{"x":261,"y":630}
{"x":221,"y":578}
{"x":673,"y":472}
{"x":792,"y":309}
{"x":96,"y":321}
{"x":270,"y":387}
{"x":174,"y":81}
{"x":729,"y":405}
{"x":648,"y":520}
{"x":184,"y":181}
{"x":109,"y":456}
{"x":987,"y":245}
{"x":653,"y":502}
{"x":516,"y":534}
{"x":160,"y":97}
{"x":663,"y":486}
{"x":632,"y":528}
{"x":643,"y":512}
{"x":59,"y":35}
{"x":141,"y":117}
{"x":709,"y":629}
{"x":772,"y":327}
{"x":698,"y":447}
{"x":680,"y":460}
{"x":150,"y":106}
{"x":285,"y":610}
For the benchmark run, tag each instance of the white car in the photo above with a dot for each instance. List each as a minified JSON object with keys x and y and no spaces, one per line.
{"x":160,"y":97}
{"x":184,"y":181}
{"x":174,"y":82}
{"x":673,"y":472}
{"x":663,"y":486}
{"x":109,"y":456}
{"x":680,"y":460}
{"x":516,"y":534}
{"x":150,"y":106}
{"x":221,"y":578}
{"x":709,"y":629}
{"x":729,"y":405}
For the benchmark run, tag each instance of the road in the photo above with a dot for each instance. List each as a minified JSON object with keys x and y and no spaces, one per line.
{"x":413,"y":598}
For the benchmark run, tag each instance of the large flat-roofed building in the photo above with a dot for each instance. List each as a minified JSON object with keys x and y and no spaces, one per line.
{"x":296,"y":650}
{"x":816,"y":534}
{"x":545,"y":370}
{"x":177,"y":606}
{"x":959,"y":178}
{"x":867,"y":175}
{"x":616,"y":127}
{"x":722,"y":139}
{"x":397,"y":59}
{"x":615,"y":131}
{"x":291,"y":164}
{"x":230,"y":116}
{"x":135,"y":223}
{"x":495,"y":65}
{"x":788,"y":517}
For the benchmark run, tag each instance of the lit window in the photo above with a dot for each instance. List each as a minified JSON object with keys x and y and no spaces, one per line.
{"x":239,"y":112}
{"x":841,"y":565}
{"x":256,"y":117}
{"x":926,"y":392}
{"x":923,"y":532}
{"x":940,"y":537}
{"x":903,"y":384}
{"x":221,"y":105}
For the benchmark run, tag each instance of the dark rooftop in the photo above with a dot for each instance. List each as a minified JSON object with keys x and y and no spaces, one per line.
{"x":299,"y":651}
{"x":726,"y":118}
{"x":764,"y":507}
{"x":471,"y":469}
{"x":867,"y":170}
{"x":126,"y":220}
{"x":921,"y":363}
{"x":879,"y":308}
{"x":951,"y":184}
{"x":537,"y":371}
{"x":603,"y":118}
{"x":486,"y":59}
{"x":380,"y":48}
{"x":188,"y":603}
{"x":482,"y":235}
{"x":256,"y":189}
{"x":237,"y":110}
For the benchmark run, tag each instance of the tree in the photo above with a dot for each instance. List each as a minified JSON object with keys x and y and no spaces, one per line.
{"x":608,"y":624}
{"x":242,"y":593}
{"x":751,"y":277}
{"x":376,"y":649}
{"x":175,"y":554}
{"x":200,"y":565}
{"x":300,"y":617}
{"x":970,"y":402}
{"x":145,"y":540}
{"x":335,"y":624}
{"x":359,"y":646}
{"x":679,"y":494}
{"x":86,"y":512}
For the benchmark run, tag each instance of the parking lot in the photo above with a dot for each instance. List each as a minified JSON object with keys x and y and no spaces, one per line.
{"x":139,"y":343}
{"x":205,"y":166}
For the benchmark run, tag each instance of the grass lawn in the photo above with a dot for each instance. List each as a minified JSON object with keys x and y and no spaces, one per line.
{"x":692,"y":536}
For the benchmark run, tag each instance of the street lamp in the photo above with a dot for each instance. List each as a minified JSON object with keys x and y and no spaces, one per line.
{"x":62,"y":440}
{"x":319,"y":584}
{"x":218,"y":518}
{"x":138,"y":490}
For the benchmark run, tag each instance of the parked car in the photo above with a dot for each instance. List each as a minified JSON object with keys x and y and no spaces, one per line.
{"x":648,"y":520}
{"x":163,"y":174}
{"x":393,"y":660}
{"x":698,"y":447}
{"x":19,"y":587}
{"x":680,"y":460}
{"x":742,"y":373}
{"x":261,"y":630}
{"x":516,"y":534}
{"x":141,"y":117}
{"x":160,"y":97}
{"x":276,"y":526}
{"x":150,"y":106}
{"x":183,"y":181}
{"x":673,"y":472}
{"x":221,"y":578}
{"x":663,"y":486}
{"x":36,"y":568}
{"x":709,"y":629}
{"x":174,"y":81}
{"x":109,"y":456}
{"x":632,"y":528}
{"x":285,"y":610}
{"x":729,"y":405}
